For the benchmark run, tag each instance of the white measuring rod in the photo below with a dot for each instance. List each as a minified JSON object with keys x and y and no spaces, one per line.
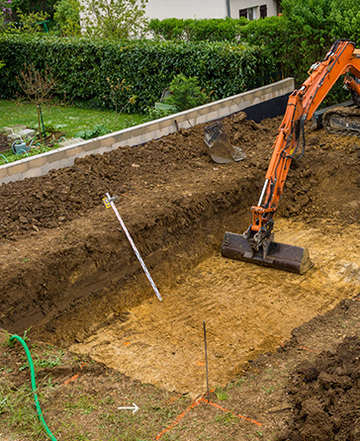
{"x":142,"y":263}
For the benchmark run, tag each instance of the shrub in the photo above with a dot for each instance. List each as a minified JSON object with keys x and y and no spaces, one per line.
{"x":93,"y":132}
{"x":215,"y":29}
{"x":114,"y":19}
{"x":82,"y":67}
{"x":186,"y":93}
{"x":67,"y":16}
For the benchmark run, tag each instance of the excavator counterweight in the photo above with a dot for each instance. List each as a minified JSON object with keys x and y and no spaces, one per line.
{"x":257,"y":243}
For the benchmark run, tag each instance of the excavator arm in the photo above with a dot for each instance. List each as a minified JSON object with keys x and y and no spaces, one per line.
{"x":341,"y":59}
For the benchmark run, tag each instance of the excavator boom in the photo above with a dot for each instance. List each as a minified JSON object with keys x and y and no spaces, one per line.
{"x":257,"y":243}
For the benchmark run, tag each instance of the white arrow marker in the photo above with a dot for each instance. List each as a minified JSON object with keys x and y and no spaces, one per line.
{"x":134,"y":409}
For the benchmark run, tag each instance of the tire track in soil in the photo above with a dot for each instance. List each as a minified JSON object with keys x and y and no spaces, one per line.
{"x":248,"y":310}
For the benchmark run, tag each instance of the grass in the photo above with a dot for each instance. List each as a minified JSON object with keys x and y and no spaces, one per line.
{"x":74,"y":121}
{"x":83,"y":409}
{"x":64,"y":118}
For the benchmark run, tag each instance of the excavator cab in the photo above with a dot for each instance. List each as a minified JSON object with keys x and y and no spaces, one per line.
{"x":257,"y":244}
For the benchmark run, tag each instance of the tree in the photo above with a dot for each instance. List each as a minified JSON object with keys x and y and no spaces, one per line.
{"x":309,"y":30}
{"x":345,"y":19}
{"x":38,"y":88}
{"x":114,"y":18}
{"x":67,"y":16}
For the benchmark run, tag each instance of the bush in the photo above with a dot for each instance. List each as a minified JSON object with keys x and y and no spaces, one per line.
{"x":114,"y":19}
{"x":83,"y":66}
{"x":186,"y":93}
{"x":94,"y":132}
{"x":215,"y":29}
{"x":67,"y":16}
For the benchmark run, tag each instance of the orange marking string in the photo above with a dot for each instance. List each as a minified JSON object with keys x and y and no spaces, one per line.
{"x":197,"y":403}
{"x":180,"y":417}
{"x":232,"y":413}
{"x":306,"y":349}
{"x":71,"y":379}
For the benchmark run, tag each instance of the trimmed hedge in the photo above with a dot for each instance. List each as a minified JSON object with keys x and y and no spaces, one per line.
{"x":215,"y":29}
{"x":85,"y":68}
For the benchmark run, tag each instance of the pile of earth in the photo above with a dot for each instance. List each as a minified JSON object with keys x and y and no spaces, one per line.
{"x":66,"y":194}
{"x":326,"y":396}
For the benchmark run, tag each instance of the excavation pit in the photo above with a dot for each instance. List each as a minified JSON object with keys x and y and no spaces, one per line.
{"x":69,"y":273}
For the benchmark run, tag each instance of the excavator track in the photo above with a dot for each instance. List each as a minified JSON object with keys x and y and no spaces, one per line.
{"x":342,"y":120}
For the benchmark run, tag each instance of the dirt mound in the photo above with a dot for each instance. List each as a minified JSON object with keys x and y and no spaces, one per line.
{"x":63,"y":195}
{"x":326,"y":396}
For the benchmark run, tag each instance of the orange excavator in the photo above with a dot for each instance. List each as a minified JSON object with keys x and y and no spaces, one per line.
{"x":257,"y":243}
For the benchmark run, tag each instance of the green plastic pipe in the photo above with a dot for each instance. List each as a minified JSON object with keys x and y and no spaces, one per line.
{"x":33,"y":385}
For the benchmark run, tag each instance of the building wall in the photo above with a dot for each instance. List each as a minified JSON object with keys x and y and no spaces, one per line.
{"x":236,"y":5}
{"x":206,"y":8}
{"x":186,"y":9}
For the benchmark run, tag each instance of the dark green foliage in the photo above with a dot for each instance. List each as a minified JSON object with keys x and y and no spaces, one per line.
{"x":345,"y":19}
{"x":270,"y":34}
{"x":67,"y":17}
{"x":27,"y":6}
{"x":82,"y":67}
{"x":309,"y":32}
{"x":215,"y":29}
{"x":304,"y":34}
{"x":186,"y":93}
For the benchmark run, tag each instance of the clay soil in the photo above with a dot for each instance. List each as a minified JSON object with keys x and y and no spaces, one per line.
{"x":283,"y":349}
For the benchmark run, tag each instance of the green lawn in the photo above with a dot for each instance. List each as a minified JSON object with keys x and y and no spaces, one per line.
{"x":64,"y":118}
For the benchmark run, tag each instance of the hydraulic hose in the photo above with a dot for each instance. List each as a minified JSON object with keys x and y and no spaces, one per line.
{"x":33,"y":385}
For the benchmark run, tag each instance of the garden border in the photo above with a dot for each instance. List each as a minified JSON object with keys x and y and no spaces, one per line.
{"x":65,"y":156}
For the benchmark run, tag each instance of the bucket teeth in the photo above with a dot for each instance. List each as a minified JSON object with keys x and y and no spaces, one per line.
{"x":219,"y":147}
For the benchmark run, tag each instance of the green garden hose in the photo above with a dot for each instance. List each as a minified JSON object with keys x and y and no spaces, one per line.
{"x":33,"y":385}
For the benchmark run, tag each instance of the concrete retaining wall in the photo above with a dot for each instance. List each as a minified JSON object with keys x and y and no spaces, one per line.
{"x":65,"y":156}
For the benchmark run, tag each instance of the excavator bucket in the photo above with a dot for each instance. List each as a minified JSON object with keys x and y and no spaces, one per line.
{"x":280,"y":256}
{"x":219,"y":147}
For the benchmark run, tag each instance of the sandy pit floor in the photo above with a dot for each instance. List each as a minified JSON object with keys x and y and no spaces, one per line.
{"x":248,"y":310}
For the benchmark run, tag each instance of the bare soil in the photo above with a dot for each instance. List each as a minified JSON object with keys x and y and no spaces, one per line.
{"x":69,"y":273}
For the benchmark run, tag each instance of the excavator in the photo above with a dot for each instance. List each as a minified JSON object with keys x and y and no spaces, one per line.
{"x":257,"y":243}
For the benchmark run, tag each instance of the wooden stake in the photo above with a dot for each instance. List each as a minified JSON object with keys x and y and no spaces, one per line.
{"x":207,"y":367}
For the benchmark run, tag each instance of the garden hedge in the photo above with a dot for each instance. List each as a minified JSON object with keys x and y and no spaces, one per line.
{"x":86,"y":68}
{"x":214,"y":29}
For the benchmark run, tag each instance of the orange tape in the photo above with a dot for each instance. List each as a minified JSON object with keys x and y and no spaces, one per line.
{"x":306,"y":349}
{"x":180,"y":417}
{"x":71,"y":379}
{"x":237,"y":415}
{"x":197,"y":403}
